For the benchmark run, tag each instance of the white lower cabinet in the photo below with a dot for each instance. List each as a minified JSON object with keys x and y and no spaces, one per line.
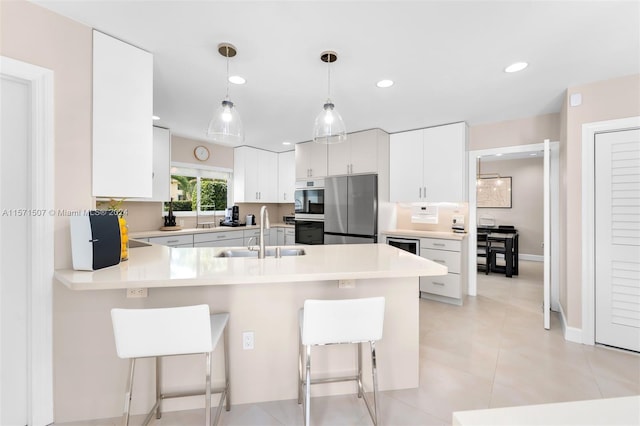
{"x":185,"y":240}
{"x":255,"y":234}
{"x":219,"y":239}
{"x":449,"y":288}
{"x":289,"y":237}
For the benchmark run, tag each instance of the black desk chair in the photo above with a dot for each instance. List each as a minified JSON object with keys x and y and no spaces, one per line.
{"x":500,"y":248}
{"x":483,"y":252}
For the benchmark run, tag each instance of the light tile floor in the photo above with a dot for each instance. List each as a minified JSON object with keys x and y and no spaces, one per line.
{"x":491,"y":352}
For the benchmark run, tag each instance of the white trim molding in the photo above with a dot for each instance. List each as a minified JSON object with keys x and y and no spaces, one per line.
{"x":39,"y":293}
{"x":589,"y":131}
{"x":571,"y":334}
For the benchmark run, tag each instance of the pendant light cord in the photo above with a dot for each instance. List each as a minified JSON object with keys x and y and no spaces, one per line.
{"x":227,"y":55}
{"x":329,"y":76}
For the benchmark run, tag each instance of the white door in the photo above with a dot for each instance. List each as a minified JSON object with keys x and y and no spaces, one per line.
{"x":546,"y":303}
{"x":26,"y":243}
{"x":14,"y":229}
{"x":617,"y":239}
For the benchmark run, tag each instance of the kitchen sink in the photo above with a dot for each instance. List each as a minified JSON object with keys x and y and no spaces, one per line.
{"x":270,"y":252}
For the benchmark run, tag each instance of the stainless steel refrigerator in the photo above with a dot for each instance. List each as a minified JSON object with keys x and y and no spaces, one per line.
{"x":351,"y":209}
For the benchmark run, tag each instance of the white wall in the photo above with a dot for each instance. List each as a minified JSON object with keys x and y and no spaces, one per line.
{"x":526,"y":200}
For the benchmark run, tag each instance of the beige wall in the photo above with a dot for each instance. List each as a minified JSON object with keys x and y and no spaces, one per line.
{"x":32,"y":34}
{"x":604,"y":100}
{"x":523,"y":131}
{"x":182,"y":151}
{"x":526,"y":213}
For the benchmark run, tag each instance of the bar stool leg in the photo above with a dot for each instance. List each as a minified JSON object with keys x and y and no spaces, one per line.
{"x":374,"y":373}
{"x":159,"y":386}
{"x":307,"y":403}
{"x":359,"y":381}
{"x":128,"y":394}
{"x":300,"y":368}
{"x":207,"y":392}
{"x":227,"y":381}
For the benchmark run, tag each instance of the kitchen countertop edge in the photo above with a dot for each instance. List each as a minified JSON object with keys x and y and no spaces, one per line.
{"x":426,"y":234}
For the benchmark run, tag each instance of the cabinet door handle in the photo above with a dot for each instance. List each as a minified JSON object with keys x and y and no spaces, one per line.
{"x":220,"y":236}
{"x":439,"y":261}
{"x":438,"y":244}
{"x":438,"y":283}
{"x":284,"y":195}
{"x":419,"y":192}
{"x":172,"y":241}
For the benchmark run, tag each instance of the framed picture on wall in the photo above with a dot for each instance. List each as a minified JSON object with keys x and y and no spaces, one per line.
{"x":494,"y":192}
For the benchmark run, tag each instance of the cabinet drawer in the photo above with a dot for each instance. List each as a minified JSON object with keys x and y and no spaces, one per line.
{"x":450,"y":259}
{"x":446,"y":285}
{"x":248,"y":233}
{"x":173,"y":240}
{"x":232,"y":242}
{"x":440,"y":244}
{"x":216,"y":236}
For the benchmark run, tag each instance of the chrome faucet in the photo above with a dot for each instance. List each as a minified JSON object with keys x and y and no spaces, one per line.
{"x":264,"y":221}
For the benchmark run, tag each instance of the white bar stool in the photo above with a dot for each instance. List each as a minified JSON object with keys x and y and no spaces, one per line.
{"x":328,"y":322}
{"x":143,"y":333}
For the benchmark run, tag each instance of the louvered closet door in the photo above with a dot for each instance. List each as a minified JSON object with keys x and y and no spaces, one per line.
{"x":617,"y":222}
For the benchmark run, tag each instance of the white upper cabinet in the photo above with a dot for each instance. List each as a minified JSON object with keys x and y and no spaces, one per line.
{"x":311,"y":160}
{"x":286,"y":176}
{"x":161,"y":166}
{"x":358,"y":154}
{"x":429,"y":165}
{"x":122,"y":123}
{"x":255,"y":175}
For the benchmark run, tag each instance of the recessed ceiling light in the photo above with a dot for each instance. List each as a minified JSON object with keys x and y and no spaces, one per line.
{"x":498,"y":155}
{"x":286,"y":143}
{"x":518,"y":66}
{"x":155,"y":118}
{"x":384,"y":83}
{"x":236,"y":79}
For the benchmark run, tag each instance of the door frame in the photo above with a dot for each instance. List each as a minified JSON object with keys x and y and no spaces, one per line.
{"x":41,"y":245}
{"x":554,"y":211}
{"x":589,"y":131}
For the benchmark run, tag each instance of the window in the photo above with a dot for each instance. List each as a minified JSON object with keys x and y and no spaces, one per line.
{"x":199,"y":190}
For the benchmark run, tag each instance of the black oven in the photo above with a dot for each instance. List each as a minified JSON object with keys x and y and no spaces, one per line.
{"x":309,"y":232}
{"x":309,"y":199}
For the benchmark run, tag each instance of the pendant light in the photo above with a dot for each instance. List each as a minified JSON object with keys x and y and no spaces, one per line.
{"x":329,"y":127}
{"x":226,"y":126}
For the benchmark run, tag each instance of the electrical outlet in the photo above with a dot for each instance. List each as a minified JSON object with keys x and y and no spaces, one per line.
{"x":458,"y":219}
{"x":346,"y":283}
{"x":247,"y":340}
{"x":137,"y":292}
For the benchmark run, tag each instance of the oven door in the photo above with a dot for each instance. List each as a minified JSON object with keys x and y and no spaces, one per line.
{"x":310,"y":232}
{"x":309,"y":199}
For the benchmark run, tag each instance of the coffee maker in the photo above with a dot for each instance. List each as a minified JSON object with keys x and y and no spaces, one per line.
{"x":232,"y":215}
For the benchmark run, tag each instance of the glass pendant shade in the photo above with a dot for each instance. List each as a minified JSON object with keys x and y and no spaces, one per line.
{"x":225,"y":126}
{"x":329,"y":127}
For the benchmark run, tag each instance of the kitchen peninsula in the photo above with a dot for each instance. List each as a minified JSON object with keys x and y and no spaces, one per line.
{"x":262,"y":295}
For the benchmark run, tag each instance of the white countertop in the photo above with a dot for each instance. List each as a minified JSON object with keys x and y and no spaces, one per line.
{"x":426,"y":234}
{"x":160,"y":266}
{"x":159,"y":233}
{"x":610,"y":411}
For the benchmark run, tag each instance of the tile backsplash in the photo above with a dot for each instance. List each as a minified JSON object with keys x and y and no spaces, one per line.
{"x":446,"y":211}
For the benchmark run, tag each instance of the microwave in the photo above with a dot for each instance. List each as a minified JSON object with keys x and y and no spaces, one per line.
{"x":309,"y":199}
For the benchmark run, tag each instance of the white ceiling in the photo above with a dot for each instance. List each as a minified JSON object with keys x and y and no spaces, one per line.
{"x":446,"y":58}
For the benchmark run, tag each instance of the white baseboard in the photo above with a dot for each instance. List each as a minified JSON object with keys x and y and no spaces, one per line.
{"x":571,"y":334}
{"x":532,"y":257}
